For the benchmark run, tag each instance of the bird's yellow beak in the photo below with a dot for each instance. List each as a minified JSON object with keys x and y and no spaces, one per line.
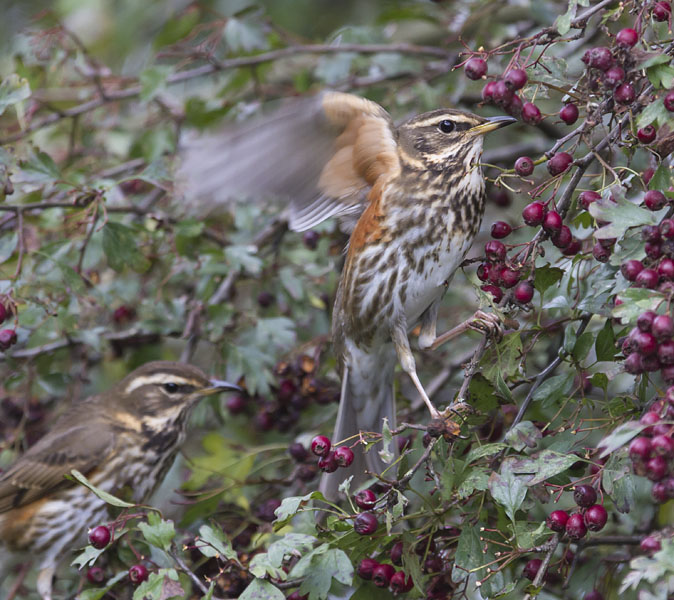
{"x":492,"y":124}
{"x":217,"y":386}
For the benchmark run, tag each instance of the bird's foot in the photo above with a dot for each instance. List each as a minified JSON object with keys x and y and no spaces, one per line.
{"x":490,"y":324}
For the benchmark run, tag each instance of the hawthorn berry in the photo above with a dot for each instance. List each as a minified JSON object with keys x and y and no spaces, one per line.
{"x":397,"y":553}
{"x":669,"y":101}
{"x":494,"y":290}
{"x":365,"y":568}
{"x":559,"y":163}
{"x":646,"y":134}
{"x":310,"y":239}
{"x":624,"y":93}
{"x":627,"y":37}
{"x":401,"y":583}
{"x":95,"y":575}
{"x":531,"y":568}
{"x":552,"y":222}
{"x":328,"y":463}
{"x":562,"y":239}
{"x":365,"y":524}
{"x":488,"y":92}
{"x":596,"y":517}
{"x":575,"y":527}
{"x":593,"y":595}
{"x":588,"y":197}
{"x":649,"y":418}
{"x":501,"y":94}
{"x":640,"y":448}
{"x":663,"y":445}
{"x":614,"y":76}
{"x":320,"y":445}
{"x":344,"y":456}
{"x":138,"y":574}
{"x":557,"y":520}
{"x":7,"y":338}
{"x":515,"y":79}
{"x":656,"y":468}
{"x":569,"y":113}
{"x":99,"y":537}
{"x":475,"y":68}
{"x":647,"y":278}
{"x":509,"y":277}
{"x":662,"y":327}
{"x":495,"y":251}
{"x":662,"y":11}
{"x":584,"y":495}
{"x":381,"y":575}
{"x":524,"y":292}
{"x":524,"y":166}
{"x":645,"y":320}
{"x":531,"y":114}
{"x":534,"y":213}
{"x":601,"y":253}
{"x":298,"y":451}
{"x":500,"y":229}
{"x":598,"y":58}
{"x":650,"y":544}
{"x":365,"y":499}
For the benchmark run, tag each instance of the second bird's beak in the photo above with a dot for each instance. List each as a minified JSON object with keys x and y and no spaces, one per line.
{"x":218,"y":385}
{"x":492,"y":124}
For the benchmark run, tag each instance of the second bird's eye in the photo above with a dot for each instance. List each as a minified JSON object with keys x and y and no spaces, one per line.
{"x":171,"y":388}
{"x":446,"y":126}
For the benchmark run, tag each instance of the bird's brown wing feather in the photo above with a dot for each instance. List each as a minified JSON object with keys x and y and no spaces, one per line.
{"x":321,"y":154}
{"x":42,"y":467}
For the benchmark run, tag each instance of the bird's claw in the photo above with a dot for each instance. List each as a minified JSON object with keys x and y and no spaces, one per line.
{"x":489,"y":324}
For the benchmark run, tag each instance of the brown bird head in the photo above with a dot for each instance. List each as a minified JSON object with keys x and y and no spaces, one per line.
{"x":164,"y":389}
{"x":444,"y":139}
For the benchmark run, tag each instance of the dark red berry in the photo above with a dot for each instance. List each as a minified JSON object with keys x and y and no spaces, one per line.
{"x":344,"y":456}
{"x":662,"y":11}
{"x":365,"y":568}
{"x":653,"y":249}
{"x":649,"y":418}
{"x":524,"y":292}
{"x":488,"y":91}
{"x":531,"y":568}
{"x":433,"y":564}
{"x":600,"y":253}
{"x":236,"y":404}
{"x":475,"y":68}
{"x":95,"y":575}
{"x":640,"y":448}
{"x":660,"y":492}
{"x":365,"y":499}
{"x":667,"y":228}
{"x":569,"y":113}
{"x":99,"y":537}
{"x":514,"y":107}
{"x":381,"y":575}
{"x":656,"y":468}
{"x":627,"y":37}
{"x":575,"y":527}
{"x":515,"y":79}
{"x":267,"y":510}
{"x":500,"y":198}
{"x":650,"y":545}
{"x":534,"y":213}
{"x":593,"y":595}
{"x":483,"y":271}
{"x":557,"y":520}
{"x":501,"y":94}
{"x":614,"y":76}
{"x":500,"y":229}
{"x":646,"y":343}
{"x":531,"y":114}
{"x":573,"y":248}
{"x":401,"y":583}
{"x":297,"y":596}
{"x":7,"y":338}
{"x":598,"y":58}
{"x":666,"y":352}
{"x":588,"y":197}
{"x":494,"y":290}
{"x":631,"y":268}
{"x":509,"y":277}
{"x":648,"y":175}
{"x":524,"y":166}
{"x":310,"y":239}
{"x":122,"y":314}
{"x":646,"y":134}
{"x":584,"y":495}
{"x":4,"y":313}
{"x":562,"y":239}
{"x":596,"y":517}
{"x":662,"y":327}
{"x":298,"y":452}
{"x":138,"y":574}
{"x":320,"y":445}
{"x":307,"y":473}
{"x":663,"y":445}
{"x":647,"y":278}
{"x":397,"y":554}
{"x":624,"y":93}
{"x":366,"y":524}
{"x":645,"y":320}
{"x":559,"y":163}
{"x":634,"y":364}
{"x":669,"y":101}
{"x":655,"y":200}
{"x":286,"y":389}
{"x":495,"y":251}
{"x":328,"y":463}
{"x":552,"y":222}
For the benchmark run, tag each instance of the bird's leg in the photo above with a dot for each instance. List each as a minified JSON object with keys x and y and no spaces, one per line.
{"x":44,"y":582}
{"x":407,"y":362}
{"x":487,"y":323}
{"x":429,"y":321}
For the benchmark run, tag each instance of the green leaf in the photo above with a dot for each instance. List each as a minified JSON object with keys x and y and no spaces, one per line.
{"x":108,"y":498}
{"x":216,"y":543}
{"x":98,"y":593}
{"x":563,"y":22}
{"x":542,"y":466}
{"x":482,"y":394}
{"x":162,"y":585}
{"x":87,"y":557}
{"x":469,"y":555}
{"x":546,"y":276}
{"x":120,"y":245}
{"x":656,"y":59}
{"x":8,"y":244}
{"x":40,"y":168}
{"x":655,"y":112}
{"x":153,"y":81}
{"x":529,"y":535}
{"x":290,"y":544}
{"x":291,"y":505}
{"x":582,"y":346}
{"x":262,"y":567}
{"x":261,"y":590}
{"x":508,"y":490}
{"x":619,"y":437}
{"x":477,"y":479}
{"x":243,"y":258}
{"x":13,"y":90}
{"x":319,"y":567}
{"x":486,"y":450}
{"x":661,"y":180}
{"x":636,"y":301}
{"x":621,"y":216}
{"x":523,"y":435}
{"x":618,"y":482}
{"x":554,"y":388}
{"x":604,"y":346}
{"x":243,"y":36}
{"x":157,"y":532}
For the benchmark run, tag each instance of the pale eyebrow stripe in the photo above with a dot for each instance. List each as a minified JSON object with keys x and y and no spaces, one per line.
{"x":157,"y":379}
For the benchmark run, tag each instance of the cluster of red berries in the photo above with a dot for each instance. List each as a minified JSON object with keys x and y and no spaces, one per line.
{"x":591,"y":516}
{"x":652,"y":452}
{"x":296,"y":389}
{"x":656,"y":271}
{"x":537,"y":214}
{"x":100,"y":537}
{"x":329,"y":460}
{"x":497,"y":273}
{"x":7,"y":336}
{"x":649,"y":346}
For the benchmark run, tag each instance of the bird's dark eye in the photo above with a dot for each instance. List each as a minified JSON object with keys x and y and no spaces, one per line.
{"x":171,"y":388}
{"x":446,"y":126}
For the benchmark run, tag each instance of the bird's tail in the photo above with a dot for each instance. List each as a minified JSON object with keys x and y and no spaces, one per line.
{"x":366,"y":400}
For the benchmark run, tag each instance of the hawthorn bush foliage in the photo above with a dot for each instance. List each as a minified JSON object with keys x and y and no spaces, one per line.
{"x":560,"y":483}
